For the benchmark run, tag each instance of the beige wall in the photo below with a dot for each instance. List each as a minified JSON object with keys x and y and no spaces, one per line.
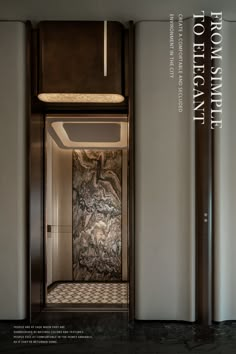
{"x":59,"y":212}
{"x":13,"y":171}
{"x":164,"y":181}
{"x":122,"y":10}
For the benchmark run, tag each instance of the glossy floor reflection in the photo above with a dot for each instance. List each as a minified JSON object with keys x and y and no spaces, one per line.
{"x":111,"y":333}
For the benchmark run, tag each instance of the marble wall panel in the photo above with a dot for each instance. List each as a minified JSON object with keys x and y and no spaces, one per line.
{"x":97,"y":215}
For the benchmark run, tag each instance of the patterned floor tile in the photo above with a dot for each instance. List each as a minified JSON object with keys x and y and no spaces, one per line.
{"x":89,"y":293}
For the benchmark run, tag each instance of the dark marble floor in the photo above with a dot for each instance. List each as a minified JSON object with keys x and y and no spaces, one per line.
{"x":111,"y":333}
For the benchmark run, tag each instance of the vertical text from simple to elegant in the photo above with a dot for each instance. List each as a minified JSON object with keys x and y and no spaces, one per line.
{"x":201,"y":71}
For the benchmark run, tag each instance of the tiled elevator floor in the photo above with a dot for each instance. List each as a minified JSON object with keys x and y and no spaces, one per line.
{"x":89,"y":293}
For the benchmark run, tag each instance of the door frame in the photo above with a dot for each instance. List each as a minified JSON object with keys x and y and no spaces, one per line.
{"x":36,"y":261}
{"x":115,"y":118}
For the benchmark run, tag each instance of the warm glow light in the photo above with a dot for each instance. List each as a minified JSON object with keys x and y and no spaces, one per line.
{"x":81,"y":97}
{"x":61,"y":133}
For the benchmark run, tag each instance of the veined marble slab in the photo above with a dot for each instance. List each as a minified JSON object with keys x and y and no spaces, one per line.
{"x":97,"y":215}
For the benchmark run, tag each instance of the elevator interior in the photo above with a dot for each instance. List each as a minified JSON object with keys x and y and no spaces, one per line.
{"x":86,"y":212}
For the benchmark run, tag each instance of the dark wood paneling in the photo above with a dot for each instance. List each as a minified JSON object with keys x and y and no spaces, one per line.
{"x":34,"y":63}
{"x":126,"y":63}
{"x":36,"y":212}
{"x":28,"y":107}
{"x":71,"y":57}
{"x":203,"y":164}
{"x":36,"y":189}
{"x":213,"y":225}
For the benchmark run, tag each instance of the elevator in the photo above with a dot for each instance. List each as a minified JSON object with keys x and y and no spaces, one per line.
{"x":86,"y":212}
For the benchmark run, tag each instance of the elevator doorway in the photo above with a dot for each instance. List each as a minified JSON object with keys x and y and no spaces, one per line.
{"x":86,"y":213}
